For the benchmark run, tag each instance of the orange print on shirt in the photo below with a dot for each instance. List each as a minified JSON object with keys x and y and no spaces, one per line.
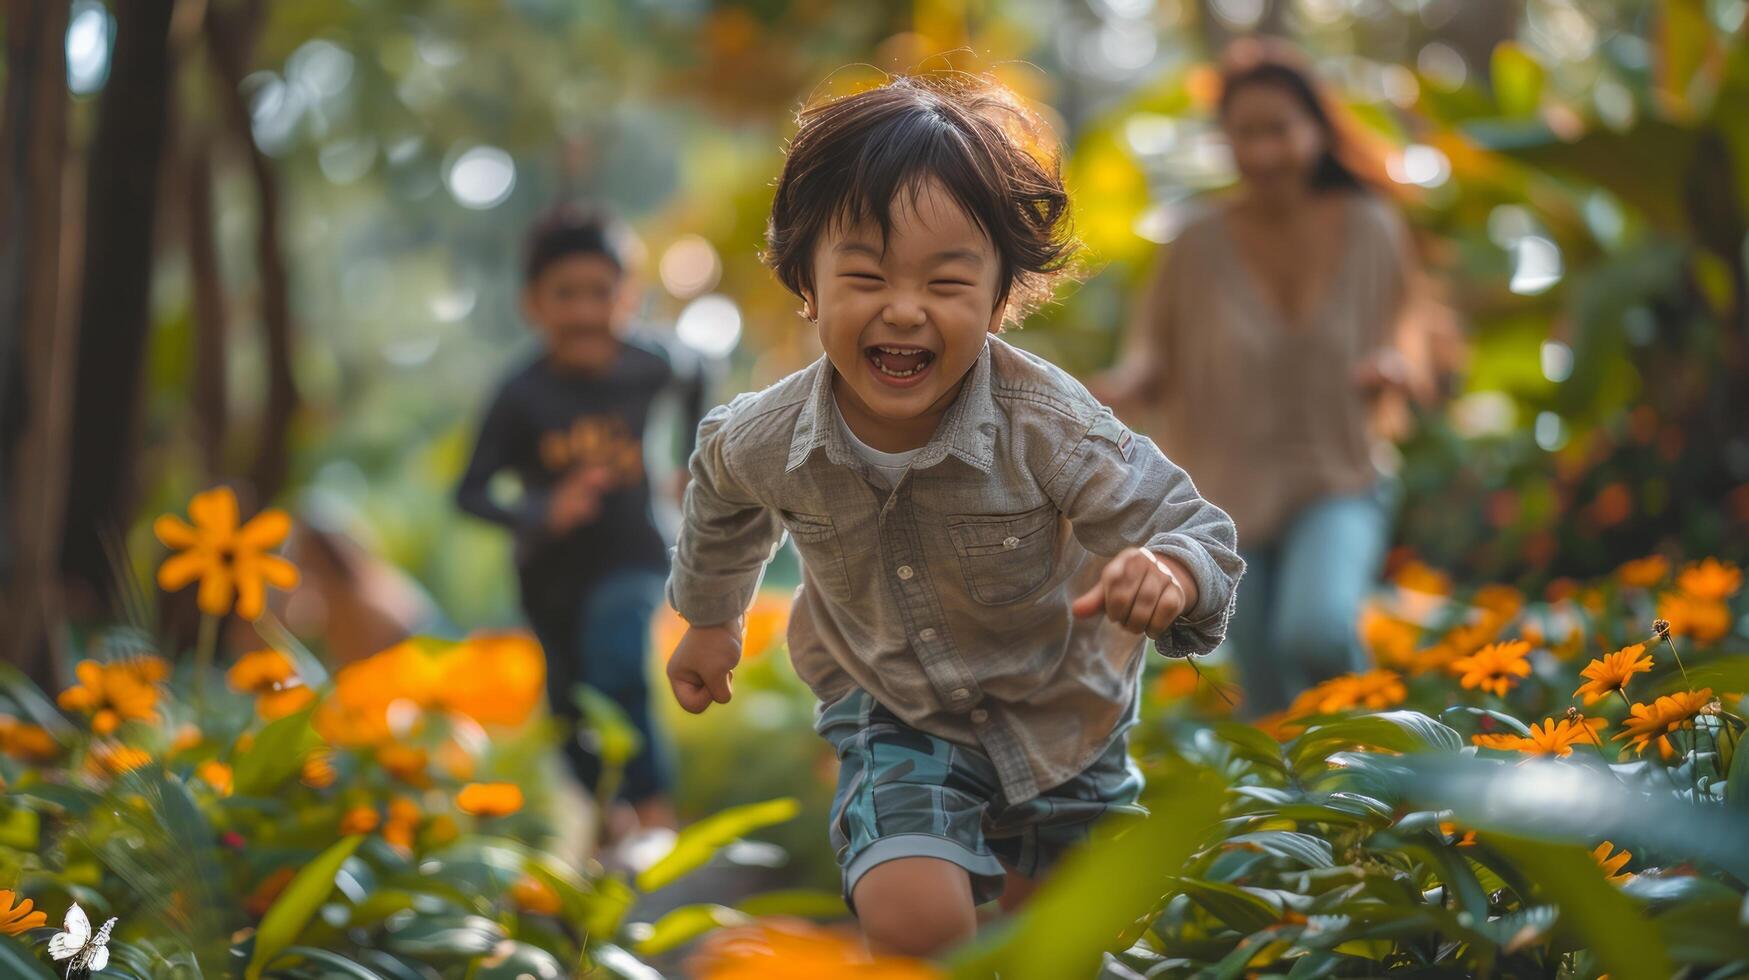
{"x":598,"y":441}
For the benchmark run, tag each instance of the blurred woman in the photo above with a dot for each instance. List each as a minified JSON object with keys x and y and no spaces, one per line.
{"x":1270,"y":356}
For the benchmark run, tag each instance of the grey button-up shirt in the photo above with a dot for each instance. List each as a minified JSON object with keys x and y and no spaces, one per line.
{"x":947,"y":596}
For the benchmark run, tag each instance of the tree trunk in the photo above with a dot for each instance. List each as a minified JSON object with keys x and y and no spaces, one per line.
{"x":115,"y":314}
{"x":230,"y":39}
{"x":33,"y":345}
{"x":210,"y":402}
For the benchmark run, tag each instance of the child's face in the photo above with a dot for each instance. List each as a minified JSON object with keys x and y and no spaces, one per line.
{"x":577,"y":304}
{"x":903,"y":326}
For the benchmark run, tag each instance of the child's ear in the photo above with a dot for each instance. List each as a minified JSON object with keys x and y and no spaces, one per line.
{"x":810,"y":311}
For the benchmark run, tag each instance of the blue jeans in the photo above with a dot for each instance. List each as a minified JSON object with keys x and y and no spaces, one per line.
{"x":599,"y":635}
{"x":1295,"y":621}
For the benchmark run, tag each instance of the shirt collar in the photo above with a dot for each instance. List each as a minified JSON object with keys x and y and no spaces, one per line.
{"x":967,"y":431}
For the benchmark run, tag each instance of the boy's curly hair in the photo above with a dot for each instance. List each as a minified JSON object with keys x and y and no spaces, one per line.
{"x":854,"y":155}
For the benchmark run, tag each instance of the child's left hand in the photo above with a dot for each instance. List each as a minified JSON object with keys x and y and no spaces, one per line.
{"x":1141,"y":591}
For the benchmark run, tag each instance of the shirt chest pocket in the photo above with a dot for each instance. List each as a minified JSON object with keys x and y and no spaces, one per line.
{"x":1004,"y":557}
{"x":816,"y":539}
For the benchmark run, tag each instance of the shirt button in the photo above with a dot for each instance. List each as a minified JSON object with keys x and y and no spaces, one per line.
{"x":1011,"y":542}
{"x":979,"y":716}
{"x":905,"y":572}
{"x":960,"y":694}
{"x":926,"y":634}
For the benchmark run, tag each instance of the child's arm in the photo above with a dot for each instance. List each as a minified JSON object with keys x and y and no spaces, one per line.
{"x":725,"y":540}
{"x":1176,"y":564}
{"x":493,"y":451}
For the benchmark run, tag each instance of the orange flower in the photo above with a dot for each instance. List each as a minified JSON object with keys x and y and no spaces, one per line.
{"x":1501,"y":601}
{"x":535,"y":896}
{"x":1418,"y":577}
{"x":217,"y":775}
{"x":1612,"y":672}
{"x":318,"y":769}
{"x":1556,"y":738}
{"x":767,"y":622}
{"x":1701,"y":620}
{"x":1391,"y":640}
{"x":456,"y":760}
{"x":1643,"y":573}
{"x":1495,"y":668}
{"x":489,"y":800}
{"x":791,"y":950}
{"x":1504,"y":741}
{"x":112,"y":693}
{"x":359,"y":820}
{"x":356,"y":713}
{"x":223,"y":556}
{"x":260,"y":672}
{"x":114,"y":759}
{"x":1711,"y":579}
{"x":1374,"y":690}
{"x":403,"y":821}
{"x":18,"y":919}
{"x":188,"y":736}
{"x":262,"y":898}
{"x":493,"y":678}
{"x":1449,"y":829}
{"x":23,"y":740}
{"x":404,"y":762}
{"x":1648,"y":723}
{"x":1611,"y":865}
{"x":274,"y":705}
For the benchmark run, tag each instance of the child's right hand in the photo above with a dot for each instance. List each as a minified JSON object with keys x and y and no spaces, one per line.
{"x":577,"y":499}
{"x":703,"y":665}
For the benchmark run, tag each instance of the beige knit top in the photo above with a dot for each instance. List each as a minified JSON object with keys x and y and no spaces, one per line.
{"x":1262,"y":412}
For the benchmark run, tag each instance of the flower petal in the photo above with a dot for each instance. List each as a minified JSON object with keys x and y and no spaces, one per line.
{"x":215,"y":590}
{"x":180,"y":569}
{"x":265,"y":530}
{"x":251,"y":594}
{"x":174,"y":532}
{"x":215,"y":511}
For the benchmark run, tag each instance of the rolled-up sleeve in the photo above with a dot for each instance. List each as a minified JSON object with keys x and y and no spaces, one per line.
{"x":1118,"y":490}
{"x":726,"y":538}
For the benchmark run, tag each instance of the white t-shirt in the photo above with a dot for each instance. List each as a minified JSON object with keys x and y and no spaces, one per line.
{"x":889,"y":467}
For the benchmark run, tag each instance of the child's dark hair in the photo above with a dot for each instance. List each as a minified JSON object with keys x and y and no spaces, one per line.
{"x":854,"y":155}
{"x":570,"y":229}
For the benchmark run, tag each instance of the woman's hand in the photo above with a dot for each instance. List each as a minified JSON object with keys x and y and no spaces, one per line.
{"x":703,"y":665}
{"x":1141,"y":591}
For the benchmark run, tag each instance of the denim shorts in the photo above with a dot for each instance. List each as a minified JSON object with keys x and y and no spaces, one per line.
{"x":904,"y":793}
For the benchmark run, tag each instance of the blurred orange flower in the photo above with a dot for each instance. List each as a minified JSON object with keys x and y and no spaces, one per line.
{"x":1374,"y":690}
{"x":1505,"y":741}
{"x":18,"y":919}
{"x":188,"y":736}
{"x":1391,"y":640}
{"x":262,"y":670}
{"x":1611,"y":864}
{"x":217,"y":775}
{"x":224,"y":557}
{"x":115,"y":759}
{"x":1643,"y":573}
{"x":23,"y":740}
{"x":318,"y":769}
{"x":262,"y":897}
{"x":404,"y":762}
{"x":125,"y":690}
{"x":1502,"y":601}
{"x":403,"y":821}
{"x":1612,"y":672}
{"x":1701,"y":620}
{"x":493,"y":678}
{"x":488,"y":800}
{"x":359,"y":820}
{"x":1450,"y":829}
{"x":533,"y":895}
{"x":1710,"y":580}
{"x":1647,"y":723}
{"x":274,"y":705}
{"x":793,"y":950}
{"x":1495,"y":668}
{"x":1419,"y":577}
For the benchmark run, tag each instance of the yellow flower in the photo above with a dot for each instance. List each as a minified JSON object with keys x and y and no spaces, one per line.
{"x":260,"y":672}
{"x":28,"y":742}
{"x":1701,"y":620}
{"x":217,"y":775}
{"x":1711,"y":579}
{"x":1643,"y":573}
{"x":318,"y":769}
{"x":533,"y":895}
{"x":489,"y":800}
{"x":359,"y":820}
{"x":1612,"y":672}
{"x":125,"y":690}
{"x":1556,"y":738}
{"x":1494,"y":668}
{"x":786,"y":950}
{"x":1647,"y":723}
{"x":1611,"y":865}
{"x":223,"y":556}
{"x":18,"y":919}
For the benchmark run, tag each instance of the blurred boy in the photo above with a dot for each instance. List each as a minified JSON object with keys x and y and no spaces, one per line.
{"x":570,"y":426}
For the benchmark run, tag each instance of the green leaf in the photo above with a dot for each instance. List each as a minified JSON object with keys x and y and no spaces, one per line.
{"x":16,"y":960}
{"x":685,"y":924}
{"x":334,"y":962}
{"x":1240,"y":908}
{"x":700,"y":842}
{"x":617,"y":740}
{"x":1100,"y":890}
{"x":278,"y":752}
{"x":460,"y":937}
{"x":1518,"y":727}
{"x":1517,"y":79}
{"x":1737,"y":783}
{"x":516,"y":960}
{"x":1395,"y":731}
{"x":804,"y":903}
{"x":33,"y":704}
{"x":292,"y":910}
{"x":1252,"y":744}
{"x":21,"y":829}
{"x":1313,"y":852}
{"x":1605,"y":919}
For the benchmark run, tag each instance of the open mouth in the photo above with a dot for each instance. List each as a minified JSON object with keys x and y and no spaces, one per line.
{"x":899,"y":362}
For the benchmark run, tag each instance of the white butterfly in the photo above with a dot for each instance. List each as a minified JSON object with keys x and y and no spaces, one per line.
{"x":78,"y":946}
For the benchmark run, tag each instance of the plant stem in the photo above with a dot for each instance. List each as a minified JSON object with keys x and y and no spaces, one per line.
{"x":1672,"y":645}
{"x":204,"y":648}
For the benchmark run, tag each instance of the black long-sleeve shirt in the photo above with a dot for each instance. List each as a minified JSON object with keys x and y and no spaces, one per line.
{"x":545,"y":422}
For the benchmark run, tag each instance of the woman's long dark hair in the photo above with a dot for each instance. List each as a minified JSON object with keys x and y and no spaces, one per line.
{"x":1254,"y":61}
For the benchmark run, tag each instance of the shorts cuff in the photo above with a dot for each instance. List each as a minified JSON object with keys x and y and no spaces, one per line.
{"x":886,"y":849}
